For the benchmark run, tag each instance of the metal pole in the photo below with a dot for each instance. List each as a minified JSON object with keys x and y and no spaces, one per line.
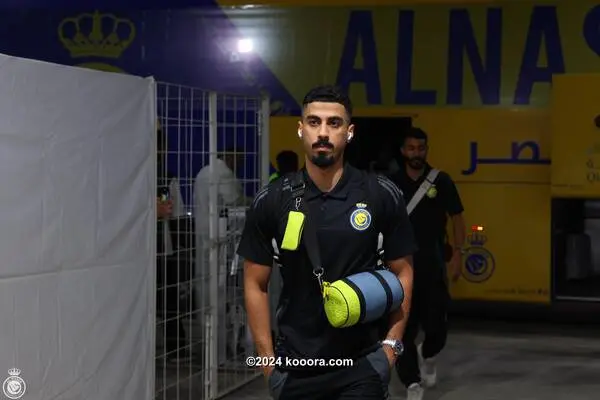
{"x":153,"y":227}
{"x":265,"y":136}
{"x":213,"y":233}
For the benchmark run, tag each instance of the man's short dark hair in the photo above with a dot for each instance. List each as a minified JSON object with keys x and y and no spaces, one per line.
{"x":328,"y":94}
{"x":415,"y":133}
{"x":287,"y":161}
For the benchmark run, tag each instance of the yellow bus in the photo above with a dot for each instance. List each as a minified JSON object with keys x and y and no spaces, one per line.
{"x":508,"y":95}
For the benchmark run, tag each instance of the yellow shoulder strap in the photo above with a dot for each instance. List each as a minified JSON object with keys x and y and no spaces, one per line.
{"x":293,"y":231}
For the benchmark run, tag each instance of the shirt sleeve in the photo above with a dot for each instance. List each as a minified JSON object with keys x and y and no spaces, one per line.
{"x":449,"y":195}
{"x":259,"y":230}
{"x":396,"y":228}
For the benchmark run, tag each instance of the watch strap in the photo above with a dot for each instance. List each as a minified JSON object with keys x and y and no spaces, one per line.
{"x":396,"y":345}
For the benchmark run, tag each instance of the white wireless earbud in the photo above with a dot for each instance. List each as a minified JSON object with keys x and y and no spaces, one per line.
{"x":300,"y":133}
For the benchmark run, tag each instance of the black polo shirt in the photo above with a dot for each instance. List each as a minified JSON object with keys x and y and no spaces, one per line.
{"x":430,"y":217}
{"x":345,"y":248}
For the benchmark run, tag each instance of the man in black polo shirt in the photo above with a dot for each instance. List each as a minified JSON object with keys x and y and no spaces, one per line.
{"x":431,"y":197}
{"x":333,"y":192}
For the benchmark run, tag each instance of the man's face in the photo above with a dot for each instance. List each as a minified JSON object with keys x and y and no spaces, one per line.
{"x":325,"y":128}
{"x":415,"y":152}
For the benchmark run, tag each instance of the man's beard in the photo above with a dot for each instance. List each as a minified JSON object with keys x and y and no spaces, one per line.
{"x":416,"y":162}
{"x":323,"y":159}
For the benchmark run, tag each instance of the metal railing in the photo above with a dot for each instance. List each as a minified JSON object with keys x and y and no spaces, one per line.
{"x":213,"y":157}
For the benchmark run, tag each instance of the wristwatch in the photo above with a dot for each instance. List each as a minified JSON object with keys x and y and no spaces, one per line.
{"x":396,"y":346}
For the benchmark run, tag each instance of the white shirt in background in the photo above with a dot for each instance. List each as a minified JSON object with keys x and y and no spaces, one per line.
{"x":229,"y":191}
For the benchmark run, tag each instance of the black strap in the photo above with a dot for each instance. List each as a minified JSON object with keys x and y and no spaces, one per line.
{"x":374,"y":189}
{"x":311,"y":244}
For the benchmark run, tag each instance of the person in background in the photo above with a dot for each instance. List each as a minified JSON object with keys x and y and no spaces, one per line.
{"x":169,"y":205}
{"x":433,"y":197}
{"x":229,"y":188}
{"x":287,"y":162}
{"x":223,"y":179}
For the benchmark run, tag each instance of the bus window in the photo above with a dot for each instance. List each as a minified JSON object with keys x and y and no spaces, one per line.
{"x":576,"y":264}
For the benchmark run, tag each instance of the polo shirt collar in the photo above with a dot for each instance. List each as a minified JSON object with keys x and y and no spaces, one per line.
{"x":421,"y":178}
{"x":339,"y":192}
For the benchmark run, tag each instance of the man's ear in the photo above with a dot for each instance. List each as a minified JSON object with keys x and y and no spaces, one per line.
{"x":350,"y":134}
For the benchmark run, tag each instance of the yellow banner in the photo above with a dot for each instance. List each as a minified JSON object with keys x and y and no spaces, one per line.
{"x":489,"y":146}
{"x":471,"y":55}
{"x":576,"y":136}
{"x":509,"y":259}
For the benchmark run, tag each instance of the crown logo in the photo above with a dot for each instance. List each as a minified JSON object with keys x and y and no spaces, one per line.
{"x":14,"y":372}
{"x":361,"y":205}
{"x":477,"y":239}
{"x":99,"y":35}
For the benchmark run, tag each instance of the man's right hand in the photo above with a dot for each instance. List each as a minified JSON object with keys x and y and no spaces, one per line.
{"x":164,"y":209}
{"x":267,"y":371}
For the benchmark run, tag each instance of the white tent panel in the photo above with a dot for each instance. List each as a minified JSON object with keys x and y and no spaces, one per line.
{"x":77,"y":231}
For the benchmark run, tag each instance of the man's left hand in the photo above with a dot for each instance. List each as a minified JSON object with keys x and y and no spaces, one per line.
{"x":391,"y":356}
{"x":454,"y":266}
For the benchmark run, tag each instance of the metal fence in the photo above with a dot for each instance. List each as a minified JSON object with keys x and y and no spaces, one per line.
{"x":213,"y":157}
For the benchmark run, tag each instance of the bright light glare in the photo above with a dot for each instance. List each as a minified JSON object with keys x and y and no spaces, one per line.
{"x":477,"y":228}
{"x":245,"y":45}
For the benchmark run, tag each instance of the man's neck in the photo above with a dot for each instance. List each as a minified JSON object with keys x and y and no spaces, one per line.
{"x":414,"y":174}
{"x":325,"y":179}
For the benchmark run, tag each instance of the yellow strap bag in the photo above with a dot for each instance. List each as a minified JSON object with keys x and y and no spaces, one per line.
{"x":358,"y":298}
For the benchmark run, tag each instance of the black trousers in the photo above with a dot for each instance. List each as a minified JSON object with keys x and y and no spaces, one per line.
{"x":428,"y":311}
{"x":367,"y":379}
{"x":171,"y":274}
